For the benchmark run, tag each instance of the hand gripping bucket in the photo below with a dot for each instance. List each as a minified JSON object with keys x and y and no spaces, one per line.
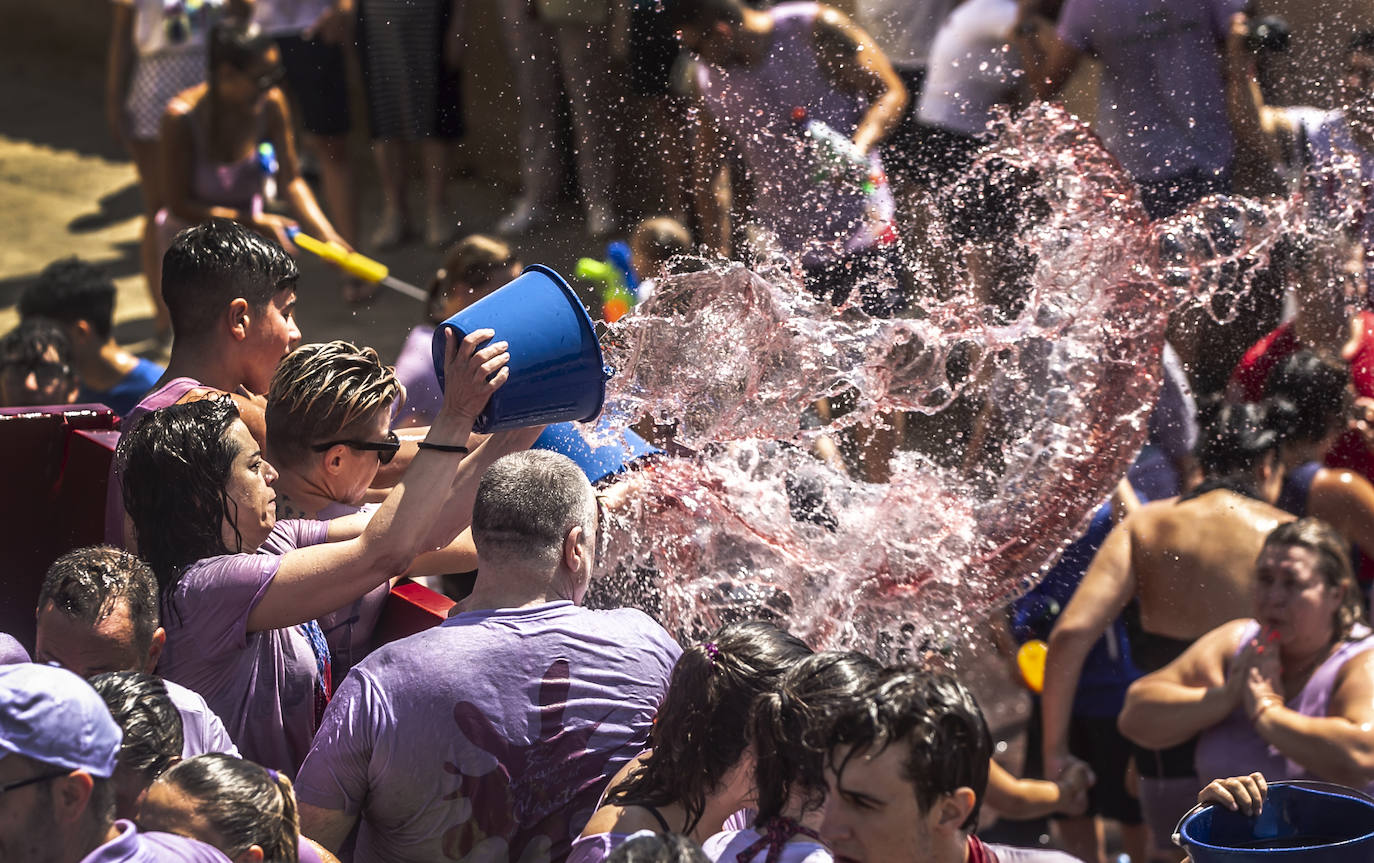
{"x":597,"y":462}
{"x":556,"y":370}
{"x":1312,"y":822}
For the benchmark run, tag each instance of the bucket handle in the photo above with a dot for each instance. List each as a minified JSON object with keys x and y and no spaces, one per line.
{"x":1310,"y":784}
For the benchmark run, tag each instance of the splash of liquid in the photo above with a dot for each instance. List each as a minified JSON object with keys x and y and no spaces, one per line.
{"x":754,"y":526}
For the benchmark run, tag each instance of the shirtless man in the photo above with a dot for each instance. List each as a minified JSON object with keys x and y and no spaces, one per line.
{"x":1189,"y":562}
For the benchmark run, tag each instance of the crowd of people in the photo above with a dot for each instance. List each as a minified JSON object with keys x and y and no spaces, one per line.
{"x":207,"y":684}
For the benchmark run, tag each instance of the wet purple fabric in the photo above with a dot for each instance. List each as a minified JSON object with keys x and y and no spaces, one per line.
{"x":597,"y":847}
{"x":168,"y":394}
{"x":201,"y":728}
{"x":349,"y":630}
{"x":131,"y":846}
{"x":1161,"y":106}
{"x":262,"y":684}
{"x":51,"y":715}
{"x":11,"y":651}
{"x":415,"y":371}
{"x":490,"y":735}
{"x":1234,"y":747}
{"x":727,"y":847}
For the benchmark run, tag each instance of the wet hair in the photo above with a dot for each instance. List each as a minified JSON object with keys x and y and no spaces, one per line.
{"x":1306,"y":395}
{"x":473,"y":262}
{"x":936,"y":717}
{"x":237,"y":44}
{"x":246,"y":804}
{"x":71,"y":290}
{"x":143,"y":710}
{"x":174,"y":463}
{"x":792,"y":727}
{"x":88,"y":585}
{"x":659,"y":848}
{"x":1333,"y":562}
{"x":526,"y":504}
{"x":27,"y":345}
{"x":702,"y":726}
{"x":1233,"y":441}
{"x":660,"y":240}
{"x":210,"y":265}
{"x":323,"y":392}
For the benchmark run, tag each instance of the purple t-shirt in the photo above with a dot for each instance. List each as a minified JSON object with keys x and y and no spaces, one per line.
{"x":491,"y":735}
{"x":201,"y":729}
{"x":729,"y":847}
{"x":11,"y":651}
{"x":349,"y":630}
{"x":415,"y":371}
{"x":1161,"y":108}
{"x":168,"y":394}
{"x":131,"y":846}
{"x":262,"y":684}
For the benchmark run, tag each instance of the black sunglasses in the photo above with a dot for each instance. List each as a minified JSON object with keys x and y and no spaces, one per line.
{"x":33,"y":780}
{"x":385,"y":449}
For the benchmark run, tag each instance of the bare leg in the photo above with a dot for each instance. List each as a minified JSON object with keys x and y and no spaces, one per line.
{"x":583,"y":61}
{"x":337,"y":177}
{"x":1135,"y":840}
{"x":391,"y":168}
{"x":534,"y":72}
{"x":145,"y":155}
{"x":439,"y":227}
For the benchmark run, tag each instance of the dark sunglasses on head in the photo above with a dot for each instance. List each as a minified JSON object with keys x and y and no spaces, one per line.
{"x":385,"y":449}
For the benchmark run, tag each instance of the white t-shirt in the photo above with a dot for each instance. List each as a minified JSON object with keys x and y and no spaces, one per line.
{"x":972,"y":66}
{"x":904,"y":29}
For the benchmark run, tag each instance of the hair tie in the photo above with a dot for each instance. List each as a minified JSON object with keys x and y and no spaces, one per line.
{"x":273,"y":774}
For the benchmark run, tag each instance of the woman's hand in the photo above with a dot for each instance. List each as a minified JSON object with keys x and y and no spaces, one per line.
{"x":1074,"y":781}
{"x":1244,"y":794}
{"x":274,"y":227}
{"x":472,"y":375}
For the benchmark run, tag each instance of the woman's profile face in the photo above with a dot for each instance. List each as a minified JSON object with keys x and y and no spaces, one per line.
{"x":1292,"y":597}
{"x":252,"y":504}
{"x":250,"y":85}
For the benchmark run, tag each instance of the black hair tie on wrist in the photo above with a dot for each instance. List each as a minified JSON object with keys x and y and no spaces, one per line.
{"x":443,"y":447}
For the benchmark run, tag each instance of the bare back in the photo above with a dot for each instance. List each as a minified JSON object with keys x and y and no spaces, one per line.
{"x":1194,"y":560}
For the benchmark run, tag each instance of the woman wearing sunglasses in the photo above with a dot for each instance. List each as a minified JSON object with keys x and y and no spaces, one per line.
{"x":227,"y":145}
{"x":241,"y":591}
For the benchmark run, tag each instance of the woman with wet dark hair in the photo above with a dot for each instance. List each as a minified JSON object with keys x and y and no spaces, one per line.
{"x":240,"y":591}
{"x":791,"y":730}
{"x":697,"y":772}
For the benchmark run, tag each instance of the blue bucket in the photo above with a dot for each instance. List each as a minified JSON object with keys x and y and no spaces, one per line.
{"x":556,"y":370}
{"x":596,"y":462}
{"x":1307,"y":821}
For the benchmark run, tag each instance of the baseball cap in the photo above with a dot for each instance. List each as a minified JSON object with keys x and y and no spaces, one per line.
{"x":51,"y":715}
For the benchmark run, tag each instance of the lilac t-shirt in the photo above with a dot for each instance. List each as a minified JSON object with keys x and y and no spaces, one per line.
{"x":729,"y":845}
{"x":131,"y":846}
{"x":1161,"y":107}
{"x":11,"y":651}
{"x":168,"y":394}
{"x":201,"y":729}
{"x":349,"y":630}
{"x":262,"y":684}
{"x":415,"y":371}
{"x":490,"y":735}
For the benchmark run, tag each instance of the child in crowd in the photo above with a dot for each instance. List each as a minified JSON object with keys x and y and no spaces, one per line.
{"x":36,"y":366}
{"x":653,"y":244}
{"x":80,"y":298}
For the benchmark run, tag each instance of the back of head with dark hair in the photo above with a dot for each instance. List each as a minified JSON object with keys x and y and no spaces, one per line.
{"x":29,"y":343}
{"x":659,"y":848}
{"x":1306,"y":396}
{"x":71,"y":290}
{"x":702,"y":726}
{"x":527,"y":502}
{"x":1233,"y":440}
{"x":245,"y":804}
{"x":936,"y":717}
{"x":90,"y":583}
{"x":174,"y":463}
{"x":792,"y":727}
{"x":236,"y":43}
{"x":140,"y":705}
{"x":210,"y":265}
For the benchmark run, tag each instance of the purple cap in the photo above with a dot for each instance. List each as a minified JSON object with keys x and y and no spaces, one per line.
{"x":51,"y":715}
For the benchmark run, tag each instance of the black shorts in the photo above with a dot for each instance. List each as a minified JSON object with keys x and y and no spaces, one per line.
{"x":317,"y":78}
{"x":876,"y":272}
{"x":1096,"y":741}
{"x":653,"y":48}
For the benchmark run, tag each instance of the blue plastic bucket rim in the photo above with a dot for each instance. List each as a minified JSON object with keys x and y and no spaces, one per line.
{"x":1305,"y":784}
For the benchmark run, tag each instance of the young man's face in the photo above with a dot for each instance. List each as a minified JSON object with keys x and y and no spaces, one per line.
{"x":272,"y":335}
{"x":871,"y":813}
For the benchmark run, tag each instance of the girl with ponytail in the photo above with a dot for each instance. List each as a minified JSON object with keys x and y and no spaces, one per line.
{"x":697,"y":771}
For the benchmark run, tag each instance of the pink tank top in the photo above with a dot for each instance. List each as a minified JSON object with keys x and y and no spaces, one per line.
{"x":1234,"y":747}
{"x":757,"y":106}
{"x":237,"y":184}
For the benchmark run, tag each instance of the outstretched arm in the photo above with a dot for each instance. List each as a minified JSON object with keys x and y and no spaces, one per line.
{"x":1190,"y":694}
{"x":1049,"y":61}
{"x":854,"y":62}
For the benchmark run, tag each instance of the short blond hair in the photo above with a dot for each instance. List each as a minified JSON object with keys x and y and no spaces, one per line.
{"x":325,"y":391}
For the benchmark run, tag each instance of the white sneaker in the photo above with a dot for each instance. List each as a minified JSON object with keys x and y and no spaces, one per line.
{"x":526,"y":216}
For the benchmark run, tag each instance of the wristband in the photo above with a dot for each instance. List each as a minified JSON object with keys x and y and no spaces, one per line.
{"x":443,"y":447}
{"x":1266,"y":702}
